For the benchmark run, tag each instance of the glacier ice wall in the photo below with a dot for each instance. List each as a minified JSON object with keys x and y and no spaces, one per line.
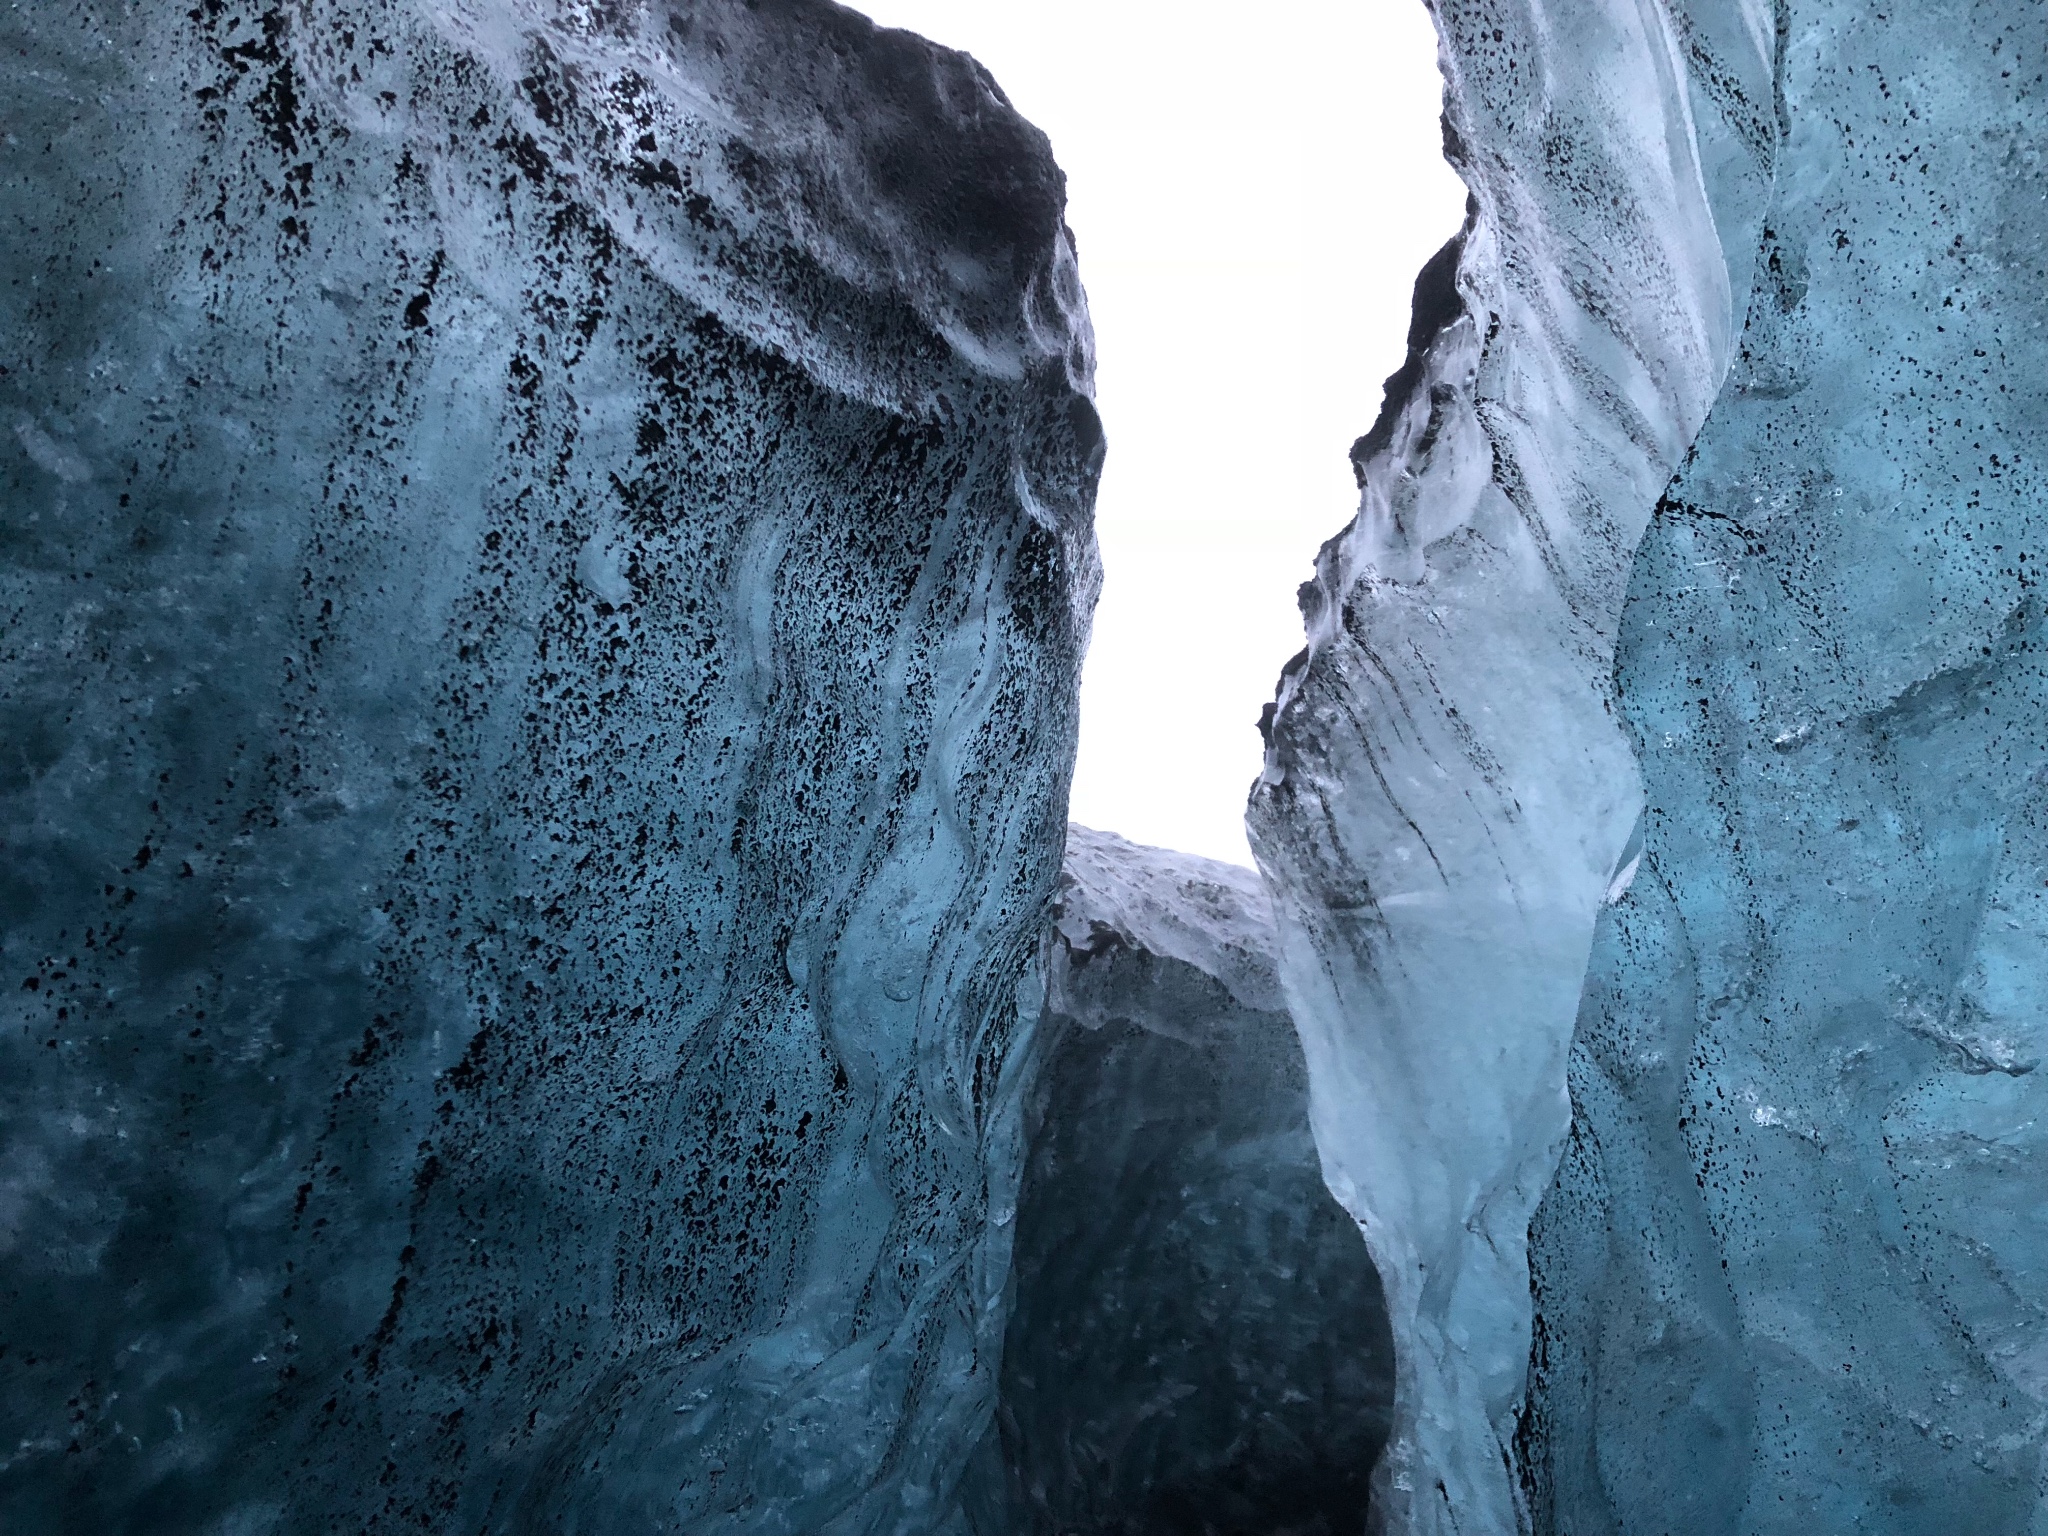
{"x":1447,"y":788}
{"x":1198,"y":1341}
{"x":545,"y":551}
{"x":1791,"y":1277}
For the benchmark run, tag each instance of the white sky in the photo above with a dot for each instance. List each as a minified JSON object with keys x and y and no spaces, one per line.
{"x":1252,"y":189}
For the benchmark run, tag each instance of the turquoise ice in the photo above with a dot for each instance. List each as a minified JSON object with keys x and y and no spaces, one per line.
{"x":544,"y":558}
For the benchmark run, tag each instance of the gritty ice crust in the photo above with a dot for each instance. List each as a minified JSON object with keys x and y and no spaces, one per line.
{"x":1448,"y":791}
{"x":545,"y":552}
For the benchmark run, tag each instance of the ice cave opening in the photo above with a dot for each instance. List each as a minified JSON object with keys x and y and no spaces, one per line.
{"x":547,"y":981}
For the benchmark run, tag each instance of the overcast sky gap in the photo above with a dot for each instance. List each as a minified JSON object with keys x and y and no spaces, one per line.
{"x":1252,"y":195}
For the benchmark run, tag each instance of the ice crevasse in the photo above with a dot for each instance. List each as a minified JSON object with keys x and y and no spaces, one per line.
{"x":1197,"y":1339}
{"x":545,"y":554}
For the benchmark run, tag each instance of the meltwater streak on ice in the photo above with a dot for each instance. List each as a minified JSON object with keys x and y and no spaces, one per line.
{"x":545,"y":556}
{"x":1447,"y":789}
{"x":1791,"y":1277}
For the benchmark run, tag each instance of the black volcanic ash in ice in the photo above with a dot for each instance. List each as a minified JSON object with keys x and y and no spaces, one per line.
{"x":544,"y":559}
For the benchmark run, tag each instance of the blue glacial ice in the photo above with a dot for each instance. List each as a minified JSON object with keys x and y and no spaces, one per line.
{"x":545,"y":556}
{"x":1198,"y":1341}
{"x":1791,"y":1276}
{"x":1447,"y":786}
{"x":545,"y":552}
{"x":1655,"y":820}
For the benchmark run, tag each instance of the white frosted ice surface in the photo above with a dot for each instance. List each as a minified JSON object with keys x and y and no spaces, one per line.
{"x":1447,"y":790}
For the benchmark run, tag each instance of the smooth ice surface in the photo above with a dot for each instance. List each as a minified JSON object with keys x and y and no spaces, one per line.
{"x":1198,"y":1342}
{"x":1447,"y":789}
{"x":1791,"y":1277}
{"x":544,"y":561}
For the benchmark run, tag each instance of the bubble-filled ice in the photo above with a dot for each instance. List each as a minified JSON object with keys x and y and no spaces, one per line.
{"x":1793,"y":1276}
{"x":1789,"y":1276}
{"x":1198,"y":1341}
{"x":545,"y":551}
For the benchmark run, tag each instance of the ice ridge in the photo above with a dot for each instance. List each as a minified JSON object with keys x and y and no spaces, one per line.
{"x":1447,"y":789}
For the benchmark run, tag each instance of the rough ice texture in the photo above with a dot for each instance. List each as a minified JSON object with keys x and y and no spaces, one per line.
{"x":1198,"y":1342}
{"x":1447,"y":788}
{"x":1791,"y":1277}
{"x":544,"y":557}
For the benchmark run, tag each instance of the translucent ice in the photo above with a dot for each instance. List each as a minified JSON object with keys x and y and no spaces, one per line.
{"x":1791,"y":1277}
{"x":545,"y":553}
{"x":1788,"y":1277}
{"x":1447,"y":789}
